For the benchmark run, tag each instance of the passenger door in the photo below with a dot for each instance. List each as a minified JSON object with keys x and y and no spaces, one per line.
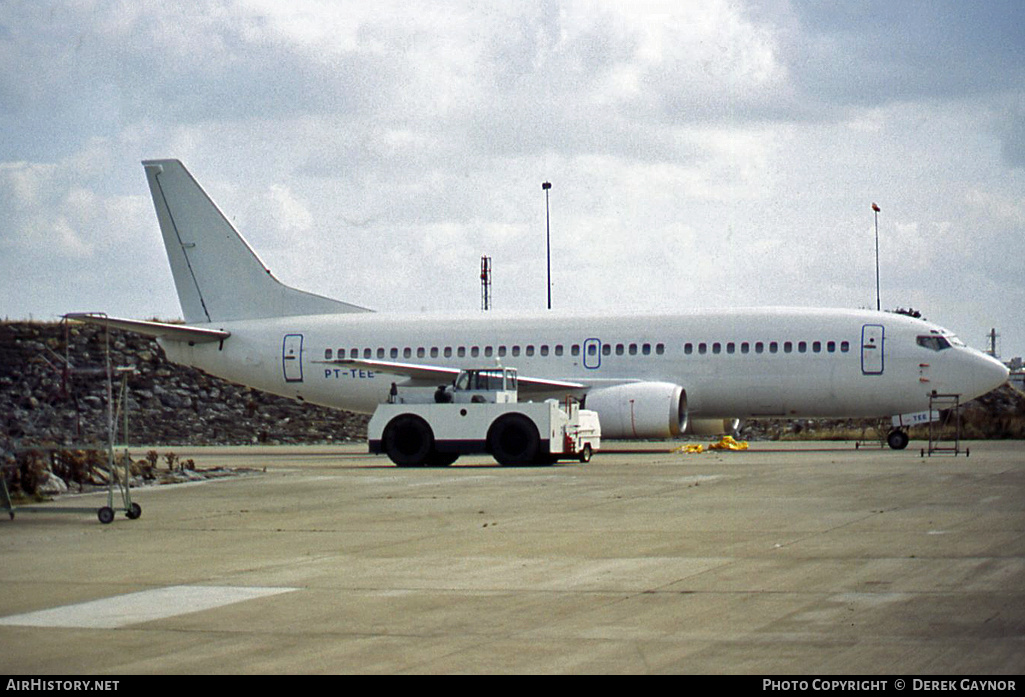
{"x":291,"y":357}
{"x":873,"y":338}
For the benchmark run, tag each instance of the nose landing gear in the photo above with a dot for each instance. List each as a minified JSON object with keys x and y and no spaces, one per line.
{"x":897,"y":439}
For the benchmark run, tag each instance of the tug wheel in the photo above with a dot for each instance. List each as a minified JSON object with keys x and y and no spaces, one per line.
{"x":513,"y":440}
{"x":408,"y":440}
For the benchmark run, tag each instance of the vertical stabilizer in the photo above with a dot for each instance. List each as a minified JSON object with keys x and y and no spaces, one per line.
{"x":217,"y":274}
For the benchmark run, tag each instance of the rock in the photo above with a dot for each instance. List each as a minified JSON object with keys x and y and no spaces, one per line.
{"x":52,"y":485}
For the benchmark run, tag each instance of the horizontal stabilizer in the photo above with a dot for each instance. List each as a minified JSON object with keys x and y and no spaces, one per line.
{"x":159,"y":330}
{"x":436,"y":375}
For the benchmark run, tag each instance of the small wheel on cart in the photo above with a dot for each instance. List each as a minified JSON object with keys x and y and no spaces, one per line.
{"x":106,"y":515}
{"x":134,"y":511}
{"x":585,"y":453}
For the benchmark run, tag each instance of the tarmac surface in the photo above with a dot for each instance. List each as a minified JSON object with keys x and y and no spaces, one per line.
{"x":787,"y":559}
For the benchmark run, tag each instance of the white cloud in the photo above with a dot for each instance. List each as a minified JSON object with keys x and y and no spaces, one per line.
{"x":701,"y":153}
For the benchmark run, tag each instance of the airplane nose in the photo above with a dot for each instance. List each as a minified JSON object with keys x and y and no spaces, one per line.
{"x":987,"y":374}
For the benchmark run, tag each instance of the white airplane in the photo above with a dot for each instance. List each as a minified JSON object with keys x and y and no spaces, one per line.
{"x":645,"y":374}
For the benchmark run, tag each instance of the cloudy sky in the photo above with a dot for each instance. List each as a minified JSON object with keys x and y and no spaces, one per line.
{"x":702,"y":154}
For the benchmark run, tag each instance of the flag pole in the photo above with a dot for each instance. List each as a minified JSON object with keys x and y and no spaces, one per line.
{"x":875,"y":209}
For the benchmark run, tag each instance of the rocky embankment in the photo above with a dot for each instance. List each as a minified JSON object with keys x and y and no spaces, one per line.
{"x":53,"y":389}
{"x":53,"y":392}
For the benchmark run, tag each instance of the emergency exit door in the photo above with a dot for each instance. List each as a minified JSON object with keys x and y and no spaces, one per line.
{"x":291,"y":357}
{"x":592,"y":354}
{"x":872,"y":339}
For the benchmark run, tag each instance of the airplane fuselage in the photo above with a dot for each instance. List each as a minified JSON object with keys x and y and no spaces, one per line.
{"x":776,"y":362}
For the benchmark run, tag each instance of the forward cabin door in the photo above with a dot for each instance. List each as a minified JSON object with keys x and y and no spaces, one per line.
{"x":872,"y":340}
{"x":291,"y":357}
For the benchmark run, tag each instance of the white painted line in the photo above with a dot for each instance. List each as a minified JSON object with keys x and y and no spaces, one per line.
{"x":144,"y":606}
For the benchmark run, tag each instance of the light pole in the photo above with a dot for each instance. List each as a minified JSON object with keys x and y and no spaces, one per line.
{"x":875,"y":209}
{"x":546,"y":186}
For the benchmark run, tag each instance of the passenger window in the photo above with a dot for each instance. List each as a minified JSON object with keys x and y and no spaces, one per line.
{"x":327,"y":354}
{"x":745,"y":347}
{"x":461,"y":352}
{"x":816,"y":346}
{"x":448,"y":352}
{"x":660,"y":349}
{"x":394,"y":352}
{"x":407,"y":352}
{"x":420,"y":352}
{"x":688,"y":349}
{"x":606,"y":349}
{"x":773,"y":347}
{"x":844,"y":347}
{"x":788,"y":347}
{"x":515,"y":350}
{"x":633,"y":349}
{"x":717,"y":348}
{"x":434,"y":352}
{"x":831,"y":346}
{"x":759,"y":347}
{"x":619,"y":349}
{"x":646,"y":349}
{"x":474,"y":351}
{"x":558,"y":349}
{"x":802,"y":346}
{"x":488,"y":351}
{"x":501,"y":351}
{"x":380,"y":352}
{"x":530,"y":349}
{"x":702,"y":349}
{"x":574,"y":350}
{"x":730,"y":347}
{"x":544,"y":349}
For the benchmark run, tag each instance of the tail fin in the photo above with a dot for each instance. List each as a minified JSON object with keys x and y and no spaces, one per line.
{"x":218,"y":276}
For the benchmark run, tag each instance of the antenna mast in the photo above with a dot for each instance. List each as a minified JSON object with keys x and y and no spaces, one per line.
{"x":485,"y":283}
{"x":992,"y":342}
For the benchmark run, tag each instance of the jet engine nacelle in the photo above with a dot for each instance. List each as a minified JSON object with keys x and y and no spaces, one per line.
{"x":640,"y":410}
{"x":712,"y":427}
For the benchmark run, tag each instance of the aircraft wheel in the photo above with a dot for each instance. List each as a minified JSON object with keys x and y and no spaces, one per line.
{"x":897,"y":440}
{"x":106,"y":515}
{"x":513,"y":440}
{"x":408,"y":440}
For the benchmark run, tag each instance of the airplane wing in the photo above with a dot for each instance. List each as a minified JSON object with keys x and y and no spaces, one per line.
{"x":160,"y":330}
{"x":437,"y":375}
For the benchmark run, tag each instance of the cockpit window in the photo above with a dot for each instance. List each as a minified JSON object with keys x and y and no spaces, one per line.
{"x":933,"y":342}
